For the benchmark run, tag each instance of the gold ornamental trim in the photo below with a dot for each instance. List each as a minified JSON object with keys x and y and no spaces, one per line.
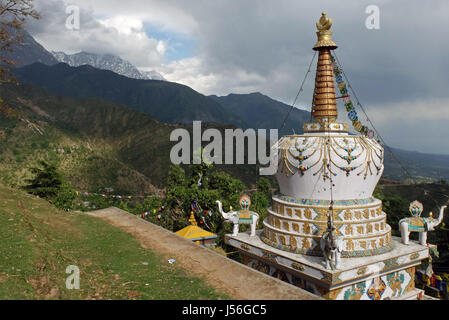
{"x":379,"y":218}
{"x":311,"y":206}
{"x":283,"y":232}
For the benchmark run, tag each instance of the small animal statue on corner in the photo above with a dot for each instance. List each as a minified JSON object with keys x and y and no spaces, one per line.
{"x":331,"y":244}
{"x":243,"y":216}
{"x":416,"y":223}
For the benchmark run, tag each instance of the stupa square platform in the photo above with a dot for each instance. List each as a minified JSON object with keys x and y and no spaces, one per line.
{"x":385,"y":276}
{"x":325,"y":232}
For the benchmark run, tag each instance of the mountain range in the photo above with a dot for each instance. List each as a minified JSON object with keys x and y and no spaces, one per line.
{"x":28,"y":51}
{"x":260,"y":111}
{"x":126,"y":120}
{"x":167,"y":101}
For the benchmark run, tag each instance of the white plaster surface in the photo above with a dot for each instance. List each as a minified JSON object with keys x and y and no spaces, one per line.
{"x":310,"y":186}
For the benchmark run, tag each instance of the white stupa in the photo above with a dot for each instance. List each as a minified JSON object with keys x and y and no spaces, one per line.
{"x":327,"y":171}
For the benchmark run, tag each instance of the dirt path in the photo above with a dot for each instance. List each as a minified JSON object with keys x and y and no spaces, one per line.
{"x":235,"y":279}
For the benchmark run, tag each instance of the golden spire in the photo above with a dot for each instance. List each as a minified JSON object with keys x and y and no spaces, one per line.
{"x":324,"y":106}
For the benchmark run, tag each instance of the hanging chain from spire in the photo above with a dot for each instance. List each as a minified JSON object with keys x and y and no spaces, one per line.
{"x":299,"y":91}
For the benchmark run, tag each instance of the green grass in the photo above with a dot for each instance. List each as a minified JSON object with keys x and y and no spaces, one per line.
{"x":38,"y":242}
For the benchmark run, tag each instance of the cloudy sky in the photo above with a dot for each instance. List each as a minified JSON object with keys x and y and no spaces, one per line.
{"x":400,"y":71}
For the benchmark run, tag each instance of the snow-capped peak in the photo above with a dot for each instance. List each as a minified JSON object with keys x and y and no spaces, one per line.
{"x":107,"y":62}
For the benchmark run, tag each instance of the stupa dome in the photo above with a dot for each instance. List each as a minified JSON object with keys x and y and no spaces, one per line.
{"x":308,"y":162}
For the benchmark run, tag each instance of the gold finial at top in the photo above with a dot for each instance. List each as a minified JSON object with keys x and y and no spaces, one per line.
{"x":324,"y":23}
{"x":324,"y":34}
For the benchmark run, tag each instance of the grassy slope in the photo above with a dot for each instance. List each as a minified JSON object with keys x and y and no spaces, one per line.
{"x":38,"y":242}
{"x":110,"y":144}
{"x":88,"y":164}
{"x":91,"y":135}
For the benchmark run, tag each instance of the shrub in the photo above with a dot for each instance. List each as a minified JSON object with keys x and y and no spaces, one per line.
{"x":65,"y":196}
{"x":48,"y":183}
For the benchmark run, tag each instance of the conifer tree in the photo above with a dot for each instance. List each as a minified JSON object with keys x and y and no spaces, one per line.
{"x":47,"y":181}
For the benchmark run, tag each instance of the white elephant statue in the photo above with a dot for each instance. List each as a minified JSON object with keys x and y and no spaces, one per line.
{"x":243,"y":216}
{"x":416,"y":223}
{"x":331,"y":244}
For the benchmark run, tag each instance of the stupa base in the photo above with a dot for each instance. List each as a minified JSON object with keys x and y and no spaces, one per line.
{"x":385,"y":276}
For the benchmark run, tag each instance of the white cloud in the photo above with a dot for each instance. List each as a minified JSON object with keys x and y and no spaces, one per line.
{"x":122,"y":35}
{"x":194,"y":73}
{"x":161,"y":46}
{"x":190,"y":72}
{"x":168,"y":15}
{"x":125,"y":25}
